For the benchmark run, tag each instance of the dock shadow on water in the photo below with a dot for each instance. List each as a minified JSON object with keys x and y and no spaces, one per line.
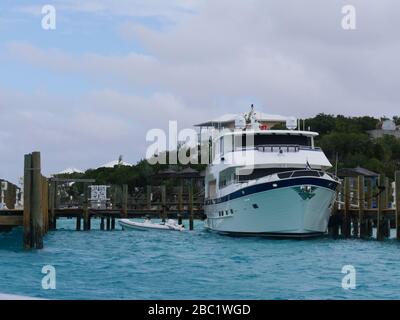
{"x":195,"y":265}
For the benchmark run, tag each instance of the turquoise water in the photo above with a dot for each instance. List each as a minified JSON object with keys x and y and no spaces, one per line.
{"x":196,"y":265}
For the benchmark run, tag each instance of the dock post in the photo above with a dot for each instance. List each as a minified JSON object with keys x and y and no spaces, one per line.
{"x":124,"y":201}
{"x":345,"y":230}
{"x":369,"y":193}
{"x":381,"y":204}
{"x":191,"y":206}
{"x":353,"y":222}
{"x":164,"y":202}
{"x":148,"y":197}
{"x":180,"y":193}
{"x":368,"y":222}
{"x":115,"y":197}
{"x":86,"y":217}
{"x":397,"y":203}
{"x":361,"y":206}
{"x":112,"y":223}
{"x":78,"y":223}
{"x":37,"y":210}
{"x":386,"y":219}
{"x":108,"y":223}
{"x":180,"y":207}
{"x":46,"y":203}
{"x":102,"y":224}
{"x":27,"y":201}
{"x":52,"y":203}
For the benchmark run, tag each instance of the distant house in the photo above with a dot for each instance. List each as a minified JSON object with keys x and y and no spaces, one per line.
{"x":8,"y":194}
{"x":387,"y":127}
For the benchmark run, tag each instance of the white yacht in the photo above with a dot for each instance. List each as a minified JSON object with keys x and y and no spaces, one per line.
{"x":266,"y":182}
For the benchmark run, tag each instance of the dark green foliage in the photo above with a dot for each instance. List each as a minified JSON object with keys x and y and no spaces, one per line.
{"x":139,"y":175}
{"x":348,"y":140}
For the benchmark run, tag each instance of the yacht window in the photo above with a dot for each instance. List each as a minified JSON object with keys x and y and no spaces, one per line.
{"x":306,"y":173}
{"x":231,"y":211}
{"x":255,"y":206}
{"x":226,"y":177}
{"x":273,"y":139}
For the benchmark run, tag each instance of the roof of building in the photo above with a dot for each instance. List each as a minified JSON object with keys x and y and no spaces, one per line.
{"x":166,"y":172}
{"x":188,"y":173}
{"x":354,"y":172}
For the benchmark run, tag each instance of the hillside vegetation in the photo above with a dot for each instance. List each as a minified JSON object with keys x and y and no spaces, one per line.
{"x":344,"y":139}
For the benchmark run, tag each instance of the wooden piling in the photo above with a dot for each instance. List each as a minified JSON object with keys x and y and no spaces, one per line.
{"x":386,"y":219}
{"x":115,"y":197}
{"x":191,"y":207}
{"x":27,"y":201}
{"x":148,"y":197}
{"x":369,"y":193}
{"x":124,"y":201}
{"x":86,"y":217}
{"x":52,"y":203}
{"x":45,"y":204}
{"x":381,"y":206}
{"x":112,"y":223}
{"x":180,"y":194}
{"x":108,"y":223}
{"x":397,"y":203}
{"x":164,"y":202}
{"x":78,"y":223}
{"x":361,"y":207}
{"x":345,"y":230}
{"x":102,"y":223}
{"x":36,"y":204}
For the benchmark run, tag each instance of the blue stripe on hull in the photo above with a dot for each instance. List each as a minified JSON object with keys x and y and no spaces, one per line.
{"x":274,"y":235}
{"x":329,"y":184}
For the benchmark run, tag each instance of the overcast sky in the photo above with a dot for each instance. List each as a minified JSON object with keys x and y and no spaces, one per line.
{"x":90,"y":90}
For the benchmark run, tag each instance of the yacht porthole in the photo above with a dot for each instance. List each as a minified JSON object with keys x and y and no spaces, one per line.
{"x":274,"y":185}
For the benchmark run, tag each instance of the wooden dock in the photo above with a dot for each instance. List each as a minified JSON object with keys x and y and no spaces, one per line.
{"x":366,"y":206}
{"x":361,"y":206}
{"x":43,"y":205}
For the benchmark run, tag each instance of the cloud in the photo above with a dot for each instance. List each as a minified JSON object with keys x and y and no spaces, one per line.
{"x":171,"y":10}
{"x":85,"y":130}
{"x":289,"y":57}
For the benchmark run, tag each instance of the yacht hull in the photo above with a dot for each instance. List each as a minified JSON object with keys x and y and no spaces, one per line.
{"x":292,"y":208}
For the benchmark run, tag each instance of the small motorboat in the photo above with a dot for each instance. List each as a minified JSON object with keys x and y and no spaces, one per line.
{"x":147,"y":224}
